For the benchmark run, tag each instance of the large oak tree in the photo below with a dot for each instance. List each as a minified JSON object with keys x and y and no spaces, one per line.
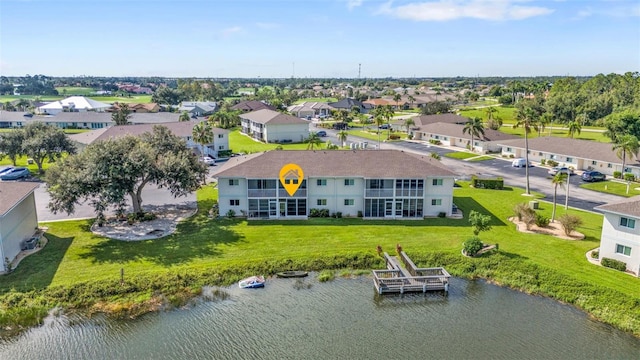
{"x":108,"y":171}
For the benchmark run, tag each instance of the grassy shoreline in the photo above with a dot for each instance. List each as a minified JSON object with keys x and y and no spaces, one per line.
{"x":79,"y":271}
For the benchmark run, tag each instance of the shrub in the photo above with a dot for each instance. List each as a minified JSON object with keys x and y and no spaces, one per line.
{"x":511,"y":156}
{"x":595,"y":254}
{"x":529,"y":217}
{"x":519,"y":209}
{"x":435,"y":142}
{"x":319,"y":212}
{"x":552,"y":163}
{"x":359,"y":213}
{"x":617,"y":174}
{"x":398,"y":248}
{"x":230,"y":214}
{"x":394,"y":137}
{"x":478,"y":183}
{"x":442,"y":214}
{"x":479,"y":222}
{"x":569,"y":223}
{"x":215,"y":211}
{"x":472,"y":246}
{"x":541,"y":220}
{"x":614,"y":264}
{"x":543,"y":161}
{"x":629,"y":177}
{"x":379,"y":250}
{"x":339,"y":214}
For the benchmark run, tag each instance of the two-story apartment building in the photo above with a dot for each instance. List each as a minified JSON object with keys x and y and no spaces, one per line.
{"x":620,"y":238}
{"x":18,"y":218}
{"x":183,"y":129}
{"x":272,"y":126}
{"x":380,"y":184}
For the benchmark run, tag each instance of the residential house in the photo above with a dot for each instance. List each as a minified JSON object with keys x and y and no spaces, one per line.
{"x":381,"y":184}
{"x":251,"y":105}
{"x":183,"y":129}
{"x":575,"y":153}
{"x":401,"y":104}
{"x":453,"y":135}
{"x":620,"y":238}
{"x":18,"y":218}
{"x":275,"y":127}
{"x":73,"y":104}
{"x":198,"y":108}
{"x":431,"y":119}
{"x":81,"y":120}
{"x":139,"y":108}
{"x":349,"y":103}
{"x":309,"y":109}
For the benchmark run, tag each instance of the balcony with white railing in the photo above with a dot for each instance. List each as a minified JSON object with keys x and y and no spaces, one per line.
{"x":257,"y":193}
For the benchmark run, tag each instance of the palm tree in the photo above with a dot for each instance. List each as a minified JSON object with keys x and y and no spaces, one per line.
{"x":558,"y":180}
{"x":202,"y":134}
{"x":574,"y":127}
{"x":408,"y":122}
{"x":475,"y":128}
{"x":184,"y":116}
{"x":526,"y":117}
{"x":490,"y":110}
{"x":122,"y":115}
{"x":382,"y":115}
{"x":626,"y":146}
{"x":342,"y":136}
{"x":314,"y":141}
{"x":411,"y":100}
{"x":397,"y":98}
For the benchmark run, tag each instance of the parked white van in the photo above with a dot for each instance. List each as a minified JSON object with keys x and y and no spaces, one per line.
{"x":519,"y":162}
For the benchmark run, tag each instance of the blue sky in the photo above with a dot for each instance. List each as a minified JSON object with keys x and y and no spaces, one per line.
{"x":319,"y":38}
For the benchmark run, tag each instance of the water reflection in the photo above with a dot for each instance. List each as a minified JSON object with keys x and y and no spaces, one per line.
{"x":345,"y":318}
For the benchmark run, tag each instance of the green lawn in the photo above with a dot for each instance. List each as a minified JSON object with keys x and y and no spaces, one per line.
{"x":80,"y":268}
{"x":372,"y":135}
{"x":75,"y":90}
{"x":244,"y":144}
{"x":104,"y":99}
{"x":460,"y":155}
{"x":5,"y":98}
{"x":584,"y":135}
{"x":507,"y":114}
{"x":613,"y":187}
{"x":22,"y":161}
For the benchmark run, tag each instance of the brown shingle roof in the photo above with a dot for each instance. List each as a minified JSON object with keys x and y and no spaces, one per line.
{"x":320,"y":163}
{"x":455,"y":130}
{"x":181,"y":129}
{"x":251,"y":105}
{"x":11,"y":193}
{"x":585,"y":149}
{"x":630,"y":207}
{"x":266,"y":116}
{"x":439,"y":118}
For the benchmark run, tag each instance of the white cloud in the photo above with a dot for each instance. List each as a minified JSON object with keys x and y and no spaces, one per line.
{"x":445,"y":10}
{"x":231,"y":30}
{"x":354,"y":3}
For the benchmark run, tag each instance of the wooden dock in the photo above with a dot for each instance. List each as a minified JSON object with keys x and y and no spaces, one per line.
{"x":410,"y":278}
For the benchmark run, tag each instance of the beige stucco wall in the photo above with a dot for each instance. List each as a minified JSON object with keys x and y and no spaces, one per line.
{"x":17,"y":225}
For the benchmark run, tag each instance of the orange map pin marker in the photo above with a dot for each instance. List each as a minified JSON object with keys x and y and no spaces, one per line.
{"x":291,"y":176}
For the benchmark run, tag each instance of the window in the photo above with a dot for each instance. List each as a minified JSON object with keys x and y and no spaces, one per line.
{"x":626,"y":222}
{"x":436,"y":202}
{"x":221,"y":147}
{"x":322,"y":202}
{"x":569,"y":159}
{"x":348,"y":202}
{"x":609,"y":166}
{"x":234,"y":202}
{"x":594,"y":163}
{"x":509,"y":149}
{"x":539,"y":154}
{"x":552,"y":156}
{"x":321,"y":182}
{"x":234,"y":182}
{"x":220,"y":136}
{"x":624,"y":250}
{"x":349,"y":182}
{"x":437,"y":182}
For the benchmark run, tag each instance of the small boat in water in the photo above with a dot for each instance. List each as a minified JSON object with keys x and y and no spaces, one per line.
{"x":292,"y":274}
{"x":251,"y":282}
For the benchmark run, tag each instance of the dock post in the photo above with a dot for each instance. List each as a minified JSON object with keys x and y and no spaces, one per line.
{"x":402,"y":289}
{"x":446,"y":287}
{"x":424,"y":288}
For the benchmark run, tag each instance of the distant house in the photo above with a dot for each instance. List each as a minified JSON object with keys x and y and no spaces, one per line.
{"x":349,"y":103}
{"x":139,"y":108}
{"x":454,"y":135}
{"x":198,"y":108}
{"x":18,"y":218}
{"x":183,"y":129}
{"x":397,"y":105}
{"x":354,"y":183}
{"x":251,"y":105}
{"x":81,"y":120}
{"x":73,"y":104}
{"x":310,"y":109}
{"x":620,"y":238}
{"x":272,"y":126}
{"x":576,"y":153}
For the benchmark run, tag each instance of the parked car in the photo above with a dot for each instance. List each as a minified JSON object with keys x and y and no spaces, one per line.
{"x":593,"y":176}
{"x":15,"y":174}
{"x":29,"y":244}
{"x":560,"y":169}
{"x":322,"y":133}
{"x":208,"y":160}
{"x":384,"y":126}
{"x":5,"y":169}
{"x":519,"y":162}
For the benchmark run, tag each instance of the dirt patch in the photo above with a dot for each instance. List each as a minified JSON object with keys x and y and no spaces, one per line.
{"x":554,"y":229}
{"x":167,"y":217}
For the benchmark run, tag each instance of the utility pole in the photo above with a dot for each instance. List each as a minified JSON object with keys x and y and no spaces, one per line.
{"x":359,"y":69}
